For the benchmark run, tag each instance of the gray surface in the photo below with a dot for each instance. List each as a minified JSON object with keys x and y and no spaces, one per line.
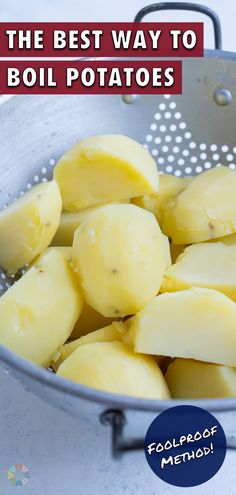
{"x":66,"y":456}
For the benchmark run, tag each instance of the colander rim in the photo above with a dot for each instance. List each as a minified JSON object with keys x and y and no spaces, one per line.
{"x":53,"y":381}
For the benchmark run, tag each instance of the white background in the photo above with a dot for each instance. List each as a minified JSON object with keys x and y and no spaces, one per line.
{"x":66,"y":456}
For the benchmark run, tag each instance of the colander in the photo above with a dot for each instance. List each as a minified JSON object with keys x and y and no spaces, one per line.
{"x":186,"y":134}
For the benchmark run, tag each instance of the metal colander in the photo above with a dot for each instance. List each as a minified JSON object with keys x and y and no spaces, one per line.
{"x":186,"y":134}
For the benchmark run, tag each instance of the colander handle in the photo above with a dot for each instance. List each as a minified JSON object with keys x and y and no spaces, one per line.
{"x":186,"y":6}
{"x":116,"y":419}
{"x":120,"y":445}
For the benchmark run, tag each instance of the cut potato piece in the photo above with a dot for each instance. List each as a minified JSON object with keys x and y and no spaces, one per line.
{"x":101,"y":169}
{"x":210,"y":265}
{"x":66,"y":252}
{"x":156,"y":203}
{"x":120,"y":255}
{"x":227,"y":239}
{"x":28,"y":225}
{"x":188,"y":379}
{"x":206,"y":209}
{"x":113,"y":367}
{"x":194,"y":323}
{"x":69,"y":223}
{"x":166,"y":251}
{"x":129,"y":336}
{"x":38,"y":313}
{"x":89,"y":321}
{"x":111,"y":333}
{"x":176,"y":250}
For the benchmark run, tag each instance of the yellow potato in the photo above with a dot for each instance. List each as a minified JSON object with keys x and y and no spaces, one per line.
{"x":113,"y":367}
{"x":157,"y":202}
{"x":120,"y":255}
{"x":205,"y":209}
{"x":129,"y":336}
{"x":101,"y":169}
{"x":64,"y":250}
{"x":194,"y":323}
{"x":176,"y":250}
{"x":89,"y":321}
{"x":28,"y":225}
{"x":188,"y":379}
{"x":69,"y":223}
{"x":128,"y":320}
{"x":111,"y":333}
{"x":38,"y":312}
{"x":227,"y":239}
{"x":210,"y":265}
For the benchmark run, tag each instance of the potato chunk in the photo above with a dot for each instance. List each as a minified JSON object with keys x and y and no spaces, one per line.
{"x":101,"y":169}
{"x":64,"y":250}
{"x":113,"y":367}
{"x":194,"y":323}
{"x":157,"y":202}
{"x":176,"y":250}
{"x":111,"y":333}
{"x":210,"y":265}
{"x":120,"y":255}
{"x":226,"y":239}
{"x":89,"y":321}
{"x":38,"y":313}
{"x":188,"y":379}
{"x":28,"y":225}
{"x":69,"y":222}
{"x":206,"y":209}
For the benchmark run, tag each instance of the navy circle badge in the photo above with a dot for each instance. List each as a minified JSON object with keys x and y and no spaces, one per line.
{"x":185,"y":446}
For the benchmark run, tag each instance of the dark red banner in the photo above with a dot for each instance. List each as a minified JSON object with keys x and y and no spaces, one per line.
{"x":91,"y":77}
{"x":101,"y":39}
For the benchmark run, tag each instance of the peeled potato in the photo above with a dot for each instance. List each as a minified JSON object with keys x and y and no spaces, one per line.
{"x":111,"y":333}
{"x":157,"y":202}
{"x":89,"y":321}
{"x":38,"y":313}
{"x":69,"y":222}
{"x":176,"y":250}
{"x":64,"y":250}
{"x":101,"y":169}
{"x":113,"y":367}
{"x":206,"y":209}
{"x":210,"y":265}
{"x":128,"y":338}
{"x":188,"y":379}
{"x":120,"y":256}
{"x":227,"y":239}
{"x":28,"y":225}
{"x":194,"y":323}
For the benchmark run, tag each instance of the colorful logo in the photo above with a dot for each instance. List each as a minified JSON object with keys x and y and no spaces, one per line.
{"x":18,"y":474}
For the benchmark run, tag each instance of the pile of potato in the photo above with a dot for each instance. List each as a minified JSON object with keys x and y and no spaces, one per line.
{"x":130,"y":283}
